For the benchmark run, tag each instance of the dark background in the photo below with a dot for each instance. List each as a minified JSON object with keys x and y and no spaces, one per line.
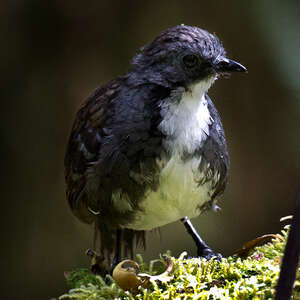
{"x":55,"y":53}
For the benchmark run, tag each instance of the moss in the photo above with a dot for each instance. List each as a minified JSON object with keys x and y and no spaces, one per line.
{"x":232,"y":278}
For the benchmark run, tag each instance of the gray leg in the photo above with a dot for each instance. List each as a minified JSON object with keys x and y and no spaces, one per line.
{"x":202,"y":249}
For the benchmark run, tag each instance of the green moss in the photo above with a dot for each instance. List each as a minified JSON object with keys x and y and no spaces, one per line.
{"x":233,"y":278}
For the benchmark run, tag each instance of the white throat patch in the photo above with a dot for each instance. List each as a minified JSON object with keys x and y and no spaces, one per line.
{"x":187,"y":122}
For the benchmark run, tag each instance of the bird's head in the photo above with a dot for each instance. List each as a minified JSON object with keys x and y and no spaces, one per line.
{"x":183,"y":55}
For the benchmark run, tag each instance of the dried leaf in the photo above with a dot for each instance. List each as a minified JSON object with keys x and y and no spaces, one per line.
{"x":126,"y":277}
{"x":244,"y":250}
{"x":164,"y":277}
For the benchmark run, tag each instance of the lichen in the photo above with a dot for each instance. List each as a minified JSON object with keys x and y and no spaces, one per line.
{"x":254,"y":277}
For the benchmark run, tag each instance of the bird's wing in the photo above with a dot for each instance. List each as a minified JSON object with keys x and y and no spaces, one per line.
{"x":111,"y":158}
{"x":84,"y":146}
{"x":112,"y":151}
{"x":215,"y":162}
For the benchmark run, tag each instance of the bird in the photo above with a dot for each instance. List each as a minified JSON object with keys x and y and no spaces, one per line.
{"x":148,"y":148}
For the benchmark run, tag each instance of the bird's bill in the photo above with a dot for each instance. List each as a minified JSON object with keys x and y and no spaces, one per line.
{"x":229,"y":65}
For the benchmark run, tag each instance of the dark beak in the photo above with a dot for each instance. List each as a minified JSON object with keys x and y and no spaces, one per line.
{"x":228,"y":65}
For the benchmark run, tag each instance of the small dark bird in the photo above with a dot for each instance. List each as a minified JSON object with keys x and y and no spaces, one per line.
{"x":148,"y":148}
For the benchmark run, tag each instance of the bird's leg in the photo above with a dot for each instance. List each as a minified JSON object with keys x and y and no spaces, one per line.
{"x":202,"y":249}
{"x":117,"y":256}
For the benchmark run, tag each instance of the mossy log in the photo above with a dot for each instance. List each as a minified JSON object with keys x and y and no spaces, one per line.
{"x":253,"y":277}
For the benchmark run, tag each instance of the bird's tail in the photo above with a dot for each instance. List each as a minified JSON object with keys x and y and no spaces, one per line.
{"x":107,"y":236}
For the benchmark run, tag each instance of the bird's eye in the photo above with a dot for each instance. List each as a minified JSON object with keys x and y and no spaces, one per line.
{"x":190,"y":60}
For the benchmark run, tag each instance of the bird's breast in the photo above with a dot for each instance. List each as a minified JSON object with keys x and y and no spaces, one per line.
{"x":181,"y":191}
{"x":179,"y":194}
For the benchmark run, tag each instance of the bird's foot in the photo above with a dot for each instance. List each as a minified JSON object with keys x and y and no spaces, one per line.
{"x":203,"y":250}
{"x":208,"y":253}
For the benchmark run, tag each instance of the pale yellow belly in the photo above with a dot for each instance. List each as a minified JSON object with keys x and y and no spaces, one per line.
{"x":178,"y":195}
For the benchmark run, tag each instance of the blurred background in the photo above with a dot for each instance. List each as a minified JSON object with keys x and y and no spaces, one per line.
{"x":55,"y":53}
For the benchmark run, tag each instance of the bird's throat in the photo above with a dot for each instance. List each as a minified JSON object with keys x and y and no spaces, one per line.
{"x":185,"y":121}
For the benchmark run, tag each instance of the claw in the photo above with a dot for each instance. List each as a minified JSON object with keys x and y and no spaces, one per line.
{"x":209,"y":254}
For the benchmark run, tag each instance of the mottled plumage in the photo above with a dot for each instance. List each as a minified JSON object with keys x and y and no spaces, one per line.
{"x":141,"y":136}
